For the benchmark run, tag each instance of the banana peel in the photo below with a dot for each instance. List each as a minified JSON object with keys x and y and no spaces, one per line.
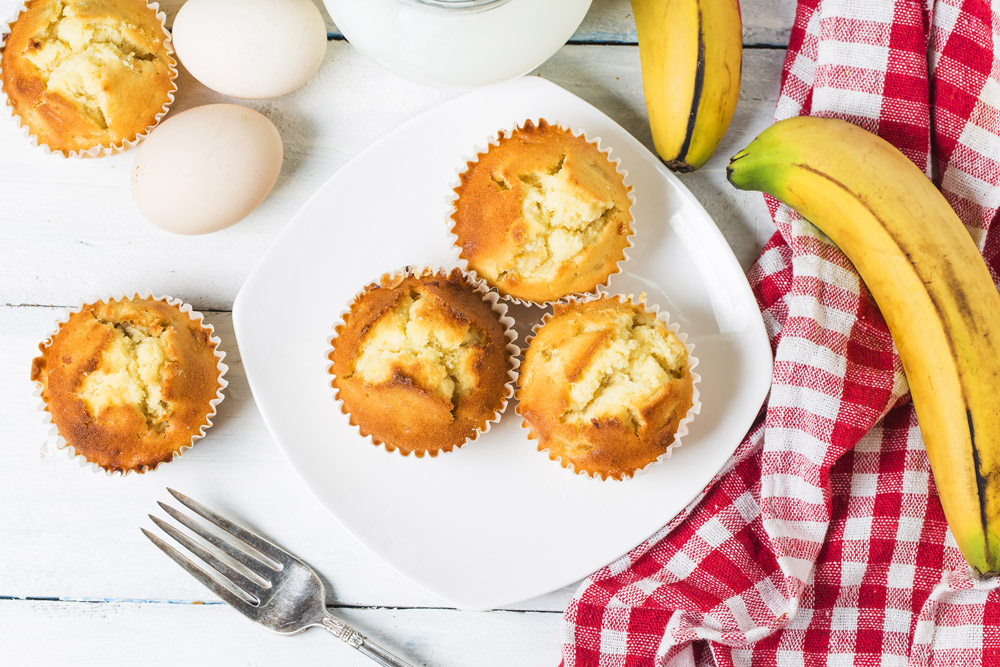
{"x":930,"y":283}
{"x":691,"y":53}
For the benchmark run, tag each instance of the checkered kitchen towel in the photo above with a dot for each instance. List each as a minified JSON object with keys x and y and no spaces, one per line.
{"x":823,"y":540}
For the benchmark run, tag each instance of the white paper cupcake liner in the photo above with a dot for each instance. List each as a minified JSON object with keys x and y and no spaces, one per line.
{"x":61,"y":443}
{"x":488,"y":295}
{"x":682,"y":426}
{"x":95,"y":151}
{"x":494,"y":141}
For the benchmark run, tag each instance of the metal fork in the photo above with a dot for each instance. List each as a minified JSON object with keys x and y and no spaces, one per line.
{"x":277,"y":589}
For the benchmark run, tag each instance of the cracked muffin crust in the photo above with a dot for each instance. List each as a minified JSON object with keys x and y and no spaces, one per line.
{"x":87,"y":73}
{"x":420,"y":362}
{"x":542,"y":214}
{"x":129,"y":383}
{"x":604,"y":386}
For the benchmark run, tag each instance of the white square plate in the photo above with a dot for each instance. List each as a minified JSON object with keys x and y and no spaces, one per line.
{"x":495,"y":522}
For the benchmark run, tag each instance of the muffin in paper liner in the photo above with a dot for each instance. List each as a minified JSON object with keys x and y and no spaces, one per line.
{"x":682,"y":426}
{"x":409,"y":390}
{"x":98,"y":150}
{"x":212,"y":407}
{"x":538,"y":124}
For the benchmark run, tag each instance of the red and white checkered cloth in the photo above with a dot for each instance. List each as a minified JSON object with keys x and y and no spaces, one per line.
{"x":823,"y":540}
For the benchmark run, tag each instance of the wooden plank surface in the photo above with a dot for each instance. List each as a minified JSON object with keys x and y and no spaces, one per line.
{"x":57,"y":508}
{"x":765,"y":22}
{"x":122,"y":634}
{"x":69,"y":231}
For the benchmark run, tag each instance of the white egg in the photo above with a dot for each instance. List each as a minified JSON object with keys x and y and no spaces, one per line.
{"x":250,"y":48}
{"x":206,"y":168}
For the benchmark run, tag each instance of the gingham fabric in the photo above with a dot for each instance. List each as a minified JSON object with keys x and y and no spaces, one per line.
{"x":822,"y":542}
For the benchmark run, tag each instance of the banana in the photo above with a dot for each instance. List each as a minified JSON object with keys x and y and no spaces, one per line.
{"x":691,"y":52}
{"x":929,"y":281}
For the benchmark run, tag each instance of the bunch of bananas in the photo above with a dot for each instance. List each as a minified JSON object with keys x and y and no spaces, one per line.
{"x":931,"y":284}
{"x":691,"y":53}
{"x":917,"y":258}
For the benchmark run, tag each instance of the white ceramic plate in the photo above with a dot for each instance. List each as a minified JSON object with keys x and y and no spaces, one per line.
{"x":495,"y":522}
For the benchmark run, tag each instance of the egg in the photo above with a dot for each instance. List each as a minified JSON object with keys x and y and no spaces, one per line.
{"x":252,"y":49}
{"x":206,"y":168}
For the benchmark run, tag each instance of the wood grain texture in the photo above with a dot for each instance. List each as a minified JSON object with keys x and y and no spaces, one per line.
{"x":166,"y":635}
{"x":84,"y":526}
{"x":71,"y":229}
{"x":765,"y":22}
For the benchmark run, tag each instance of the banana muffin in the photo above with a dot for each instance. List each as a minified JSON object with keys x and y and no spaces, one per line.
{"x":604,"y":387}
{"x":542,"y":214}
{"x":129,"y":383}
{"x":420,"y":362}
{"x":87,"y":73}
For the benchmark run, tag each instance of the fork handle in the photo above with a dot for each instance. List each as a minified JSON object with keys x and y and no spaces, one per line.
{"x":364,"y":645}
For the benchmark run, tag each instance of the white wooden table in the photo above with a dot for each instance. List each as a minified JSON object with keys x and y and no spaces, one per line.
{"x":79,"y":584}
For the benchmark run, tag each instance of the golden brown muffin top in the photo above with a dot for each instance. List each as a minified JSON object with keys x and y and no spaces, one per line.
{"x":128,"y":383}
{"x":420,"y":362}
{"x":542,"y":214}
{"x":604,"y":386}
{"x":86,"y":73}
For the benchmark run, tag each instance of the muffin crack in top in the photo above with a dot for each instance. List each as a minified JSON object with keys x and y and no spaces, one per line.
{"x":133,"y":366}
{"x":71,"y":49}
{"x":562,"y":217}
{"x":408,"y":344}
{"x":131,"y":382}
{"x":543,"y":213}
{"x":420,"y":361}
{"x":82,"y":75}
{"x":605,"y":386}
{"x":630,"y":364}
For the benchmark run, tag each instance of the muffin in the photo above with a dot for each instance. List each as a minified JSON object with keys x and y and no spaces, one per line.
{"x":542,"y":214}
{"x":130,"y":383}
{"x":605,"y":386}
{"x":421,"y":362}
{"x":87,"y":74}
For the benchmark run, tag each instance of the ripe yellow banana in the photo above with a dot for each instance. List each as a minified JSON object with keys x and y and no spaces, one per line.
{"x":691,"y":52}
{"x":932,"y":287}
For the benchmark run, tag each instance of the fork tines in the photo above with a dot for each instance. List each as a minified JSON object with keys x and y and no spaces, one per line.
{"x":247,"y":564}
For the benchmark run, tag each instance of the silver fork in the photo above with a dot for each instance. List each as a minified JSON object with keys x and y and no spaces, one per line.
{"x":277,"y":590}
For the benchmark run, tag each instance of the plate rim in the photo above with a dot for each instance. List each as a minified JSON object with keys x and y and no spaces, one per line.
{"x":758,"y":338}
